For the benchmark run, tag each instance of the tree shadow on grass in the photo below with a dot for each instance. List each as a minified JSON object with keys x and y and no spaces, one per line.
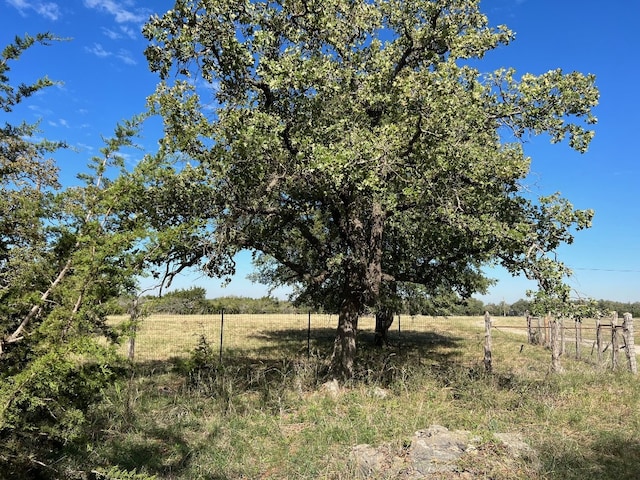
{"x":612,"y":456}
{"x":267,"y":374}
{"x":161,"y":451}
{"x":288,"y":342}
{"x":271,"y":357}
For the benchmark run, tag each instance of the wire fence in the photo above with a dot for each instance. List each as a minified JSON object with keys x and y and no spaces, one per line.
{"x":598,"y":340}
{"x":272,"y":336}
{"x":162,"y":337}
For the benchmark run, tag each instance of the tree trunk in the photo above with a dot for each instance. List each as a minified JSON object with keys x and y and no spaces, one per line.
{"x":384,"y":320}
{"x":363,"y":279}
{"x":344,"y":347}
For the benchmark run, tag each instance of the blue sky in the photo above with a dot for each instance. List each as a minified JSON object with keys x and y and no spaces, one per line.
{"x":106,"y":79}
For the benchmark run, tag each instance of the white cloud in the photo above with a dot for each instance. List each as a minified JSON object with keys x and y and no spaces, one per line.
{"x":111,"y":34}
{"x":60,"y":123}
{"x":50,"y":10}
{"x":19,"y":4}
{"x":84,"y":147}
{"x":125,"y":56}
{"x":119,"y":10}
{"x":129,"y":32}
{"x":98,"y":50}
{"x":125,"y":31}
{"x":39,"y":110}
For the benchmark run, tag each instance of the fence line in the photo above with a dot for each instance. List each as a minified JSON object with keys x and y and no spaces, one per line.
{"x":163,"y":336}
{"x":543,"y":334}
{"x":261,"y":336}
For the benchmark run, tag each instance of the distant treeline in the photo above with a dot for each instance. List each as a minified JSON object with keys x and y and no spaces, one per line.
{"x":521,"y":307}
{"x":193,"y":301}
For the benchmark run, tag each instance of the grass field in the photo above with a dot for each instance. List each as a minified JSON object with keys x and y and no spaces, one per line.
{"x":163,"y":337}
{"x":263,"y":413}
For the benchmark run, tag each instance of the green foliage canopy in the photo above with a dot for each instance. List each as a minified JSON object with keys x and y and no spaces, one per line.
{"x":353,"y":145}
{"x":64,"y":254}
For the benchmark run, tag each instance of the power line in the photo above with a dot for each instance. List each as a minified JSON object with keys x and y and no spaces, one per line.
{"x":606,"y":270}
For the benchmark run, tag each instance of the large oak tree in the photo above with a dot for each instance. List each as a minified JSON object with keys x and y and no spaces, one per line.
{"x":355,"y":146}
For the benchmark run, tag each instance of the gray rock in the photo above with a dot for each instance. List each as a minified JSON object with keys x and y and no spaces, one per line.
{"x":431,"y":453}
{"x":380,"y":393}
{"x":332,"y":387}
{"x":514,"y":443}
{"x":369,"y":460}
{"x":436,"y":450}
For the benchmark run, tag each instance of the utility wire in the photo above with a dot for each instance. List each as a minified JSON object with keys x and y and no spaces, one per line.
{"x":606,"y":270}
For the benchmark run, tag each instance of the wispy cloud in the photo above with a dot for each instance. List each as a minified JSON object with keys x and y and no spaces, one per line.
{"x":50,"y":10}
{"x":60,"y":123}
{"x":123,"y":32}
{"x":129,"y":32}
{"x":39,"y":110}
{"x":121,"y":10}
{"x":83,"y":147}
{"x":98,"y":50}
{"x":111,"y":34}
{"x":126,"y":57}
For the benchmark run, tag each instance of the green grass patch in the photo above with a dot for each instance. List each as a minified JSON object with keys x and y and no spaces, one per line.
{"x":263,"y":412}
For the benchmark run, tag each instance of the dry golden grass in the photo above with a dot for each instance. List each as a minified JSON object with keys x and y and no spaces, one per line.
{"x":161,"y":337}
{"x":264,"y":414}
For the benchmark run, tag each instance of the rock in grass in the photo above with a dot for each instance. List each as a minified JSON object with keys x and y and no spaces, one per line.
{"x":431,"y":453}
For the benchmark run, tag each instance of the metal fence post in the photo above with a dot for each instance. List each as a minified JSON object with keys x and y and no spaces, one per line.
{"x":399,"y":336}
{"x":309,"y":336}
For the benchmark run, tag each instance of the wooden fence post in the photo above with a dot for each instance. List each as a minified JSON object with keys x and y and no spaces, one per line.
{"x":615,"y":342}
{"x":221,"y":332}
{"x":533,"y":334}
{"x":629,"y":343}
{"x":599,"y":340}
{"x":578,"y":325}
{"x":562,"y":335}
{"x":554,"y":335}
{"x":547,"y":333}
{"x":309,"y":335}
{"x":488,"y":366}
{"x":538,"y":332}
